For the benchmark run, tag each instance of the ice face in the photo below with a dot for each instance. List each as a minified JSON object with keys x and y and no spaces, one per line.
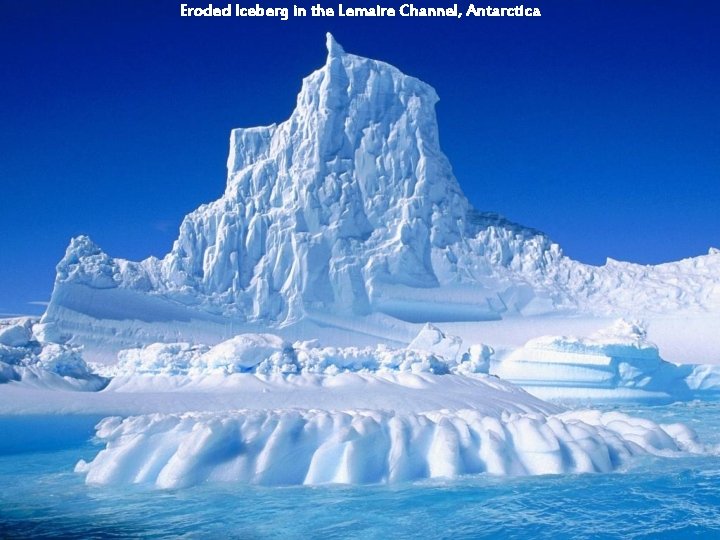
{"x":353,"y":189}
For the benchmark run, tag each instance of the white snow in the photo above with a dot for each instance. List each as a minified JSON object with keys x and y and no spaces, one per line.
{"x":246,"y":351}
{"x":216,"y":392}
{"x":432,"y":339}
{"x":16,"y":333}
{"x":267,"y":353}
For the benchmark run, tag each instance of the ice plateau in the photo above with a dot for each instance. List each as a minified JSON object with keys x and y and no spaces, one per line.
{"x":348,"y":209}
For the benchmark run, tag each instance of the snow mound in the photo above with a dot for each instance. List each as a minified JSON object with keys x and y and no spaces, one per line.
{"x":616,"y":362}
{"x":24,"y":359}
{"x":16,"y":332}
{"x":476,"y":360}
{"x":159,"y":358}
{"x":312,"y":447}
{"x":332,"y":360}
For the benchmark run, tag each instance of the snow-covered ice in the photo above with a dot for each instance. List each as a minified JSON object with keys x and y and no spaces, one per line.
{"x":267,"y":353}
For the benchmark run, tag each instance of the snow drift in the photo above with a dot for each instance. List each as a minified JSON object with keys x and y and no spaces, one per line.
{"x":348,"y":208}
{"x":356,"y":447}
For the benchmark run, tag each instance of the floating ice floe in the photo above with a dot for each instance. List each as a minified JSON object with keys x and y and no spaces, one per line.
{"x":360,"y":446}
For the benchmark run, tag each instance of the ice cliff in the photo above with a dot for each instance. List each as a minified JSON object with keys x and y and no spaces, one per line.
{"x":350,"y":207}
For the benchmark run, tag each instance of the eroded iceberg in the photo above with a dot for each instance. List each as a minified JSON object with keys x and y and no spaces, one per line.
{"x":348,"y":210}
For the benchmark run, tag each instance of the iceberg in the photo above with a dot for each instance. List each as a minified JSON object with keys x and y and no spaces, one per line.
{"x":347,"y":214}
{"x":292,"y":334}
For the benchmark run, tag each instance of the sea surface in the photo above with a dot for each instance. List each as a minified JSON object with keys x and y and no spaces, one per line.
{"x":41,"y":497}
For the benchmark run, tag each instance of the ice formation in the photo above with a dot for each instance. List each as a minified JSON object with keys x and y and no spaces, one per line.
{"x":615,"y":362}
{"x":319,"y":435}
{"x":24,"y":359}
{"x":361,"y":446}
{"x":434,"y":340}
{"x":267,"y":353}
{"x":280,"y":413}
{"x":348,"y":208}
{"x":345,"y":223}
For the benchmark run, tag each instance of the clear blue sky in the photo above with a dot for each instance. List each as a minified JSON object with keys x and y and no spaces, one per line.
{"x":598,"y":123}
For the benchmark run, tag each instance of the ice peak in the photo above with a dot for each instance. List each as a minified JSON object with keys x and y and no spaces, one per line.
{"x":81,"y":246}
{"x":85,"y":262}
{"x":333,"y":47}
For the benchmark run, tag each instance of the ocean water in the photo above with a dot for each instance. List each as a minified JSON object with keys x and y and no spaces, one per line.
{"x":41,"y":497}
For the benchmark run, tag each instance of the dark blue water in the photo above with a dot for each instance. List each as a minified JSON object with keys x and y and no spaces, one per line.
{"x":40,"y":497}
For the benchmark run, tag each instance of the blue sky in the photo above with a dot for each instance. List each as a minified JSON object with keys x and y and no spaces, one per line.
{"x":598,"y":123}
